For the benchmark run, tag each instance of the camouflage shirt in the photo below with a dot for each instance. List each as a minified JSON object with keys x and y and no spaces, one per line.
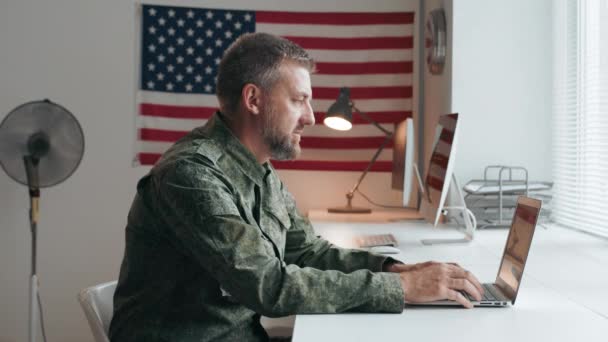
{"x":214,"y":240}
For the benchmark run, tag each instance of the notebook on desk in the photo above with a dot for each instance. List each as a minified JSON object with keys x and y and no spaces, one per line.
{"x":504,"y":290}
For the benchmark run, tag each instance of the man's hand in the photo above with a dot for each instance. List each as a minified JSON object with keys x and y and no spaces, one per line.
{"x":398,"y":267}
{"x":432,"y":281}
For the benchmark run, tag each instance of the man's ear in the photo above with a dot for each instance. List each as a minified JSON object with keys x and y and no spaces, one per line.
{"x":251,"y":96}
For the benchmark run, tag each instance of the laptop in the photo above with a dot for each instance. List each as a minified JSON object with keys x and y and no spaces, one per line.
{"x":504,"y":290}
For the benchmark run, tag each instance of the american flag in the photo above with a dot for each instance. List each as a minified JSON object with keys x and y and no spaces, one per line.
{"x":372,"y":53}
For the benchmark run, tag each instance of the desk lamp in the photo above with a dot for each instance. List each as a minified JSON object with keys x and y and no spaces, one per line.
{"x":339,"y":116}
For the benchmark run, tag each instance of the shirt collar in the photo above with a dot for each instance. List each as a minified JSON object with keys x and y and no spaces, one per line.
{"x":245,"y":160}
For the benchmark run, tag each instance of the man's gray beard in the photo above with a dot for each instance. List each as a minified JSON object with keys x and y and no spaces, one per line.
{"x":281,"y":147}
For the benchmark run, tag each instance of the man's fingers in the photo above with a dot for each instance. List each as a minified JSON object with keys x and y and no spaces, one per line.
{"x":457,"y":296}
{"x":459,"y":272}
{"x":464,"y":284}
{"x":473,"y":280}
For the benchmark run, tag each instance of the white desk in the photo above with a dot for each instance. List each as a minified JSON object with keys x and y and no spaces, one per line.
{"x":563,"y":295}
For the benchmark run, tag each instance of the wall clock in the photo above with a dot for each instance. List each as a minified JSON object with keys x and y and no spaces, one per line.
{"x":436,"y":41}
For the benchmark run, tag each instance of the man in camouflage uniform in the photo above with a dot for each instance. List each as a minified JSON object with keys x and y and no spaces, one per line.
{"x":214,"y":239}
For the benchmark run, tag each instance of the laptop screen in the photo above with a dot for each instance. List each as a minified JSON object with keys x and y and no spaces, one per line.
{"x":517,"y":246}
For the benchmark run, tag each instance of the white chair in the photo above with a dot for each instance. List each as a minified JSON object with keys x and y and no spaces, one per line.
{"x":98,"y":306}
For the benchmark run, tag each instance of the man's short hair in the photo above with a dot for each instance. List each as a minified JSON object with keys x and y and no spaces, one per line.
{"x":255,"y":58}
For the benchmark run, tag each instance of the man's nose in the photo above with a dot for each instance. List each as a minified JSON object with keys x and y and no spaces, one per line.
{"x":309,"y":116}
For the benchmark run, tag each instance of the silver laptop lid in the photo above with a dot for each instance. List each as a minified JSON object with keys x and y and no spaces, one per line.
{"x":517,"y":246}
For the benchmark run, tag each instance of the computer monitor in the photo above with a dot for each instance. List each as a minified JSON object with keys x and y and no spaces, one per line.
{"x":404,"y":159}
{"x":441,"y":165}
{"x":440,"y":176}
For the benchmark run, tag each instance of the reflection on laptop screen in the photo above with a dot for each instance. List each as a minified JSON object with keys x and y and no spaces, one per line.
{"x":517,"y":247}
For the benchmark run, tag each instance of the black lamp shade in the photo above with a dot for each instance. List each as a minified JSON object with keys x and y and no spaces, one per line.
{"x":339,"y":116}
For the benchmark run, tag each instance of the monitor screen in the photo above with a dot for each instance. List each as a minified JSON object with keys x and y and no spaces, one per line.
{"x":441,"y":166}
{"x":517,"y":246}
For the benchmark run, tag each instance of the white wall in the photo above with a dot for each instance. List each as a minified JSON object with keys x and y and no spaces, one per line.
{"x":81,"y":55}
{"x":502,"y":85}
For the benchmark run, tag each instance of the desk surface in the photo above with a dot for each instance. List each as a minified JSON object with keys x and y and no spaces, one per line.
{"x":563,"y":295}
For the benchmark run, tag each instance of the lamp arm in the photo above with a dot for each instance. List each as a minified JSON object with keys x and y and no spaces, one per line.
{"x":370,"y":120}
{"x":389,"y":136}
{"x":351,"y":193}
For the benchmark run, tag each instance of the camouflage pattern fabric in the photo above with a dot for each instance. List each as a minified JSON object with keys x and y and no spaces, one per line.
{"x":214,"y":240}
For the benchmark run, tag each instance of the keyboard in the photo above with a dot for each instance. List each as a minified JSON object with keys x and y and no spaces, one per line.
{"x":490,"y":294}
{"x":366,"y":241}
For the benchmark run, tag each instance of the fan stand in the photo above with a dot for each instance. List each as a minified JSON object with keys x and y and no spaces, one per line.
{"x":31,"y":169}
{"x":48,"y":140}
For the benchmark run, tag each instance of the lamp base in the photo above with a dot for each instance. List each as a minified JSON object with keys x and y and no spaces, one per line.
{"x":349,"y":210}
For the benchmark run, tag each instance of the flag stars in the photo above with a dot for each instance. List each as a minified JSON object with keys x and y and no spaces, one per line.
{"x":184,"y":47}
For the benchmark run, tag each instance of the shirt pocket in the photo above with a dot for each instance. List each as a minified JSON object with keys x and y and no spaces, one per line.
{"x":274,"y":223}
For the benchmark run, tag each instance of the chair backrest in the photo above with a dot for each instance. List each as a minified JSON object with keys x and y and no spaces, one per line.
{"x":98,"y":306}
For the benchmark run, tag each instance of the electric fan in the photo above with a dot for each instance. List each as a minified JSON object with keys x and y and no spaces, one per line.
{"x":41,"y":144}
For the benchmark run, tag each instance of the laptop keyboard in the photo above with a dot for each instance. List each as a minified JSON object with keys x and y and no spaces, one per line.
{"x":488,"y":295}
{"x":376,"y":240}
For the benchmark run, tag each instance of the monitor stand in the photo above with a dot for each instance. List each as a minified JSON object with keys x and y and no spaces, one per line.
{"x":470,"y":223}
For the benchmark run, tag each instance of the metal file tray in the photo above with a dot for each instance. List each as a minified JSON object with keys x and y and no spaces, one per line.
{"x":493,"y":198}
{"x":480,"y":187}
